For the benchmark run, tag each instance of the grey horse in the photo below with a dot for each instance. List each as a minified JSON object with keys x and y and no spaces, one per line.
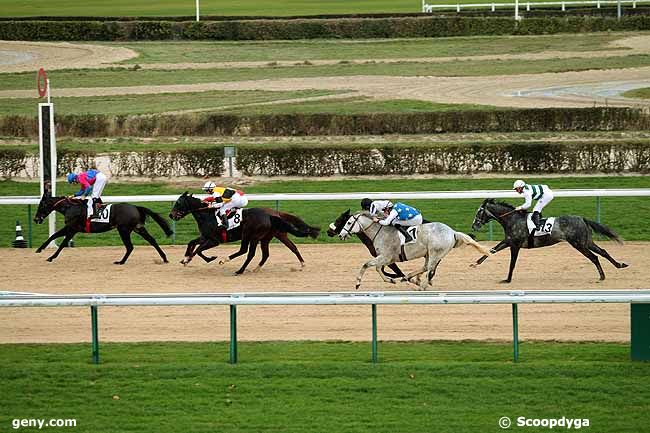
{"x":434,"y":241}
{"x":573,"y":229}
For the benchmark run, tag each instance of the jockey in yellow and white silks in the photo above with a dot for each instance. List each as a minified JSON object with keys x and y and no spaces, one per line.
{"x":542,"y":193}
{"x":223,"y":198}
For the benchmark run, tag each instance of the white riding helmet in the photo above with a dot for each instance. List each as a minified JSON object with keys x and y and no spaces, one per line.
{"x":518,"y":184}
{"x":209,"y":186}
{"x":389,"y":204}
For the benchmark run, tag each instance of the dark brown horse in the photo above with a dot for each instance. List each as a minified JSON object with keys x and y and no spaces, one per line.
{"x":258,"y":226}
{"x":124,"y":217}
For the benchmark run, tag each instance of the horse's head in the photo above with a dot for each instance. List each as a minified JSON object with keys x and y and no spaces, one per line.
{"x":482,"y":215}
{"x":336,"y":227}
{"x":185,"y":204}
{"x":45,"y":207}
{"x":354,"y":225}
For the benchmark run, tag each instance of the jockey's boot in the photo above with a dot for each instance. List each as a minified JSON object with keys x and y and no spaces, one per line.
{"x":536,"y":218}
{"x":407,"y":235}
{"x":221,"y":221}
{"x":95,"y":206}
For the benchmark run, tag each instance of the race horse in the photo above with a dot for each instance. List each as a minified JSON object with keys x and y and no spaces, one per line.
{"x":433,"y":241}
{"x":257,"y":226}
{"x":575,"y":230}
{"x":336,"y":227}
{"x":124,"y":217}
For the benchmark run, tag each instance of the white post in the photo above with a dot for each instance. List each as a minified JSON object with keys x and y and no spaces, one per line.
{"x":492,"y":7}
{"x":48,"y":91}
{"x":517,"y":17}
{"x":598,"y":4}
{"x":527,"y":7}
{"x":457,"y":7}
{"x":424,"y":9}
{"x":563,"y":7}
{"x":197,"y":10}
{"x":53,"y":166}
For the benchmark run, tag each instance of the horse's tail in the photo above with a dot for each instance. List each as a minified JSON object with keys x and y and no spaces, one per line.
{"x":162,"y":222}
{"x":464,"y":239}
{"x":602,"y":229}
{"x":279,"y":223}
{"x":299,"y":226}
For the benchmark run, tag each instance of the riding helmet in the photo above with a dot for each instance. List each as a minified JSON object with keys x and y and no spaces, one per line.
{"x":365,"y":204}
{"x":518,"y":184}
{"x":72,"y":177}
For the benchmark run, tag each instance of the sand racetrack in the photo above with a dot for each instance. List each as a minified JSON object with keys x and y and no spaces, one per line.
{"x":329,"y":268}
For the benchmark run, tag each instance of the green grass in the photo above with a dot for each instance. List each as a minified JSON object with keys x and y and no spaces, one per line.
{"x":626,"y":215}
{"x":638,"y":93}
{"x":156,"y":103}
{"x":459,"y":387}
{"x":125,"y":77}
{"x":268,"y":51}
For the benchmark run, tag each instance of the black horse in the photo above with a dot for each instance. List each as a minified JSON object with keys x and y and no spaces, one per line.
{"x":336,"y":227}
{"x":124,"y":217}
{"x":258,"y":225}
{"x":575,"y":230}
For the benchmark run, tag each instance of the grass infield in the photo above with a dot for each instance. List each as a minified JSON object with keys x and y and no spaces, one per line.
{"x":460,"y":387}
{"x":625,"y":215}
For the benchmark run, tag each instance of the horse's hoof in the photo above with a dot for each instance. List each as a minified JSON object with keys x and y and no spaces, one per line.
{"x":623,"y":265}
{"x":257,"y":269}
{"x":473,"y":265}
{"x":38,"y":251}
{"x":165,"y":261}
{"x":118,"y":263}
{"x":49,"y":259}
{"x":504,"y":282}
{"x":222,"y":262}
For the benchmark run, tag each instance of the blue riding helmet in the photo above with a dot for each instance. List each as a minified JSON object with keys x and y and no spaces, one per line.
{"x":72,"y":178}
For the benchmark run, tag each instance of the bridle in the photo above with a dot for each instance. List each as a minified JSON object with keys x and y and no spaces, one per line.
{"x":493,"y":215}
{"x":363,"y":229}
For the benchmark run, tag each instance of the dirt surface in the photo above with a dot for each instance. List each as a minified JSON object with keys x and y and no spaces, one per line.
{"x":329,"y":268}
{"x":568,"y":89}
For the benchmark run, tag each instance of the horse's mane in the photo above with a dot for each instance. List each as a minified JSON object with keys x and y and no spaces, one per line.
{"x":500,"y":203}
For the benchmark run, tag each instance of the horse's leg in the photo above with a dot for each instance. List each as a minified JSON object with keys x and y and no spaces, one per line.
{"x":378,"y":261}
{"x":498,"y":247}
{"x":57,"y":234}
{"x":142,"y":231}
{"x":601,"y":251}
{"x":289,"y":244}
{"x":64,"y":244}
{"x":189,"y":251}
{"x":591,"y":256}
{"x":242,"y":250}
{"x":249,"y":257}
{"x":264,"y":246}
{"x":125,"y":234}
{"x":514,"y":253}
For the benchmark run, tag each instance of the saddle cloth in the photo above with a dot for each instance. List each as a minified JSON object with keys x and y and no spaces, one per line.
{"x":545,"y":225}
{"x":413,"y":231}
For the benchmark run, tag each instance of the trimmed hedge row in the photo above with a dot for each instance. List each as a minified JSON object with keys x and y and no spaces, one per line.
{"x":181,"y":162}
{"x":348,"y":28}
{"x":539,"y":157}
{"x":206,"y":124}
{"x":447,"y":159}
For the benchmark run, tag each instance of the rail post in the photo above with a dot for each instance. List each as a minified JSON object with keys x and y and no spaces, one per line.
{"x":173,"y":229}
{"x":515,"y":333}
{"x":374,"y":333}
{"x":598,"y":209}
{"x":233,"y":334}
{"x":277,"y":205}
{"x":29,"y":225}
{"x":95,"y":334}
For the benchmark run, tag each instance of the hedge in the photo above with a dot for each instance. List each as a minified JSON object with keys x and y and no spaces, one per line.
{"x":543,"y":157}
{"x":354,"y":159}
{"x":355,"y":28}
{"x":207,"y":124}
{"x":181,"y":162}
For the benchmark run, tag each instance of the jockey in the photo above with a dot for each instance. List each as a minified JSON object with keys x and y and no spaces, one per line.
{"x":92,"y":184}
{"x":541,"y":193}
{"x":376,"y":207}
{"x":401,"y":216}
{"x":224,"y":199}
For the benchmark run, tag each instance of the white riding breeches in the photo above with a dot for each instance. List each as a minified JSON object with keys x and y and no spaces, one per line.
{"x":543,"y":201}
{"x":236,"y":201}
{"x":98,"y":186}
{"x":415,"y":221}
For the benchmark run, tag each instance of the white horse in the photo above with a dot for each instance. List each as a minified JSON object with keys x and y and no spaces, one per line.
{"x":434,"y":241}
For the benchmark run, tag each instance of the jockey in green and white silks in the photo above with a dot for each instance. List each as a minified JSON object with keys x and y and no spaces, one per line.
{"x":542,"y":193}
